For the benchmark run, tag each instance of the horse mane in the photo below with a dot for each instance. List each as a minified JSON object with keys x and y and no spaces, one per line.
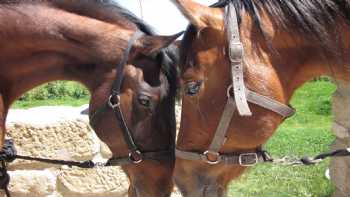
{"x":311,"y":19}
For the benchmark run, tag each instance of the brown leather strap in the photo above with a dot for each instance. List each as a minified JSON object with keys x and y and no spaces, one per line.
{"x":271,"y":104}
{"x":241,"y":159}
{"x":236,"y":60}
{"x":253,"y":97}
{"x":220,"y":133}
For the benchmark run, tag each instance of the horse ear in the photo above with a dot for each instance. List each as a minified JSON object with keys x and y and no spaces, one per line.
{"x":199,"y":15}
{"x":149,"y":45}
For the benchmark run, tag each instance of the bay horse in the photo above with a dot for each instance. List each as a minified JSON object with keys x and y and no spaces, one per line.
{"x":279,"y":45}
{"x":82,"y":41}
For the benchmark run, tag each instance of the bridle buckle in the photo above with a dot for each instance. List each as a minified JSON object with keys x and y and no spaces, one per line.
{"x":248,"y":159}
{"x":236,"y":52}
{"x":209,"y":160}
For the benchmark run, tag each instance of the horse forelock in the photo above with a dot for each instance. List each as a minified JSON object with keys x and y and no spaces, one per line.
{"x":185,"y":46}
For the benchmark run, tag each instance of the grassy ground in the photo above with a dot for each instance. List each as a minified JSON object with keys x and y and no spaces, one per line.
{"x":68,"y":101}
{"x":54,"y":93}
{"x":307,"y":133}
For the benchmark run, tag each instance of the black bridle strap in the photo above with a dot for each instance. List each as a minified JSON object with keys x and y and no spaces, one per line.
{"x":154,"y":156}
{"x":116,"y":86}
{"x":128,"y":138}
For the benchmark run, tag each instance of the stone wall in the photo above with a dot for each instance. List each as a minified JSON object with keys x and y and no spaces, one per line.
{"x":59,"y":133}
{"x":340,"y":167}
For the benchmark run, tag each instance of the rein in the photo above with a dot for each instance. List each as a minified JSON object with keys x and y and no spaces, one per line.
{"x":238,"y":97}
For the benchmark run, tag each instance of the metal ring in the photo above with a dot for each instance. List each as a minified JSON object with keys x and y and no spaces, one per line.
{"x":210,"y":162}
{"x":229,"y":90}
{"x":110,"y":103}
{"x":139,"y":155}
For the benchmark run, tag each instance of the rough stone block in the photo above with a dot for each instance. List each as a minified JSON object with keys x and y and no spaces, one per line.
{"x":69,"y":139}
{"x":105,"y":151}
{"x":32,"y":183}
{"x":65,"y":140}
{"x":104,"y":182}
{"x":61,"y":133}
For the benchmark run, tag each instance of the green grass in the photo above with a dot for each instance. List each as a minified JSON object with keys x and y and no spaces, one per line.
{"x":54,"y":93}
{"x":307,"y":133}
{"x":67,"y":101}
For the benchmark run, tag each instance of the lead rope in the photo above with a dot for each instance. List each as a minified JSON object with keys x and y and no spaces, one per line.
{"x":4,"y":179}
{"x":9,"y":154}
{"x":308,"y":161}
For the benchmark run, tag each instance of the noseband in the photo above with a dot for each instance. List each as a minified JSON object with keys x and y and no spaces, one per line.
{"x":238,"y":97}
{"x":135,"y":156}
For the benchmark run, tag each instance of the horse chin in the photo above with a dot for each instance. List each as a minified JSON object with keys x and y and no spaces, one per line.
{"x":150,"y":179}
{"x":199,"y":185}
{"x":139,"y":192}
{"x":212,"y":190}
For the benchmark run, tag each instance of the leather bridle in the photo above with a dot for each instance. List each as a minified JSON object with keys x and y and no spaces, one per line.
{"x":135,"y":155}
{"x":238,"y":97}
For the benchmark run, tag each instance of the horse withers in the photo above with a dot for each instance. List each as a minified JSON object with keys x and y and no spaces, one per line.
{"x":83,"y":41}
{"x":241,"y":61}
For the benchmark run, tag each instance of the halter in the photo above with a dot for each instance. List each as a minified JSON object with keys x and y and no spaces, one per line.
{"x":135,"y":156}
{"x":238,"y":97}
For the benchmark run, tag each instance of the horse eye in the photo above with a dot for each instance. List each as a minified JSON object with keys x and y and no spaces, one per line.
{"x":192,"y":88}
{"x":144,"y":100}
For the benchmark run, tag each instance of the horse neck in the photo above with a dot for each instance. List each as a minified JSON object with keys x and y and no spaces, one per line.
{"x":55,"y":45}
{"x":287,"y":61}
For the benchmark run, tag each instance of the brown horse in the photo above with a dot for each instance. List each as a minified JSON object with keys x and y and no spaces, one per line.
{"x":285,"y":44}
{"x":44,"y":41}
